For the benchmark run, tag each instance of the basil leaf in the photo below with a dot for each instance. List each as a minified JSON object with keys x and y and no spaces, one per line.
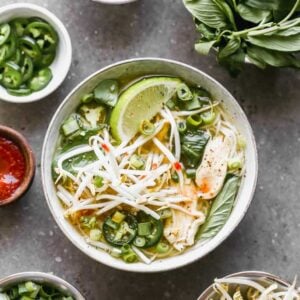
{"x":256,"y":62}
{"x":227,"y":10}
{"x":207,"y":12}
{"x":278,"y":43}
{"x":204,"y":47}
{"x":270,"y":4}
{"x":234,"y":62}
{"x":107,"y":92}
{"x":220,"y":210}
{"x":251,"y":14}
{"x":193,"y":144}
{"x":232,"y":46}
{"x":290,"y":31}
{"x":206,"y":31}
{"x":273,"y":58}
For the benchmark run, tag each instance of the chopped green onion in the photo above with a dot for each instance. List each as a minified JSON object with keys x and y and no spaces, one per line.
{"x":162,"y":247}
{"x":184,"y":93}
{"x":146,"y":127}
{"x":22,"y":288}
{"x":95,"y":235}
{"x":118,"y":217}
{"x":208,"y":117}
{"x":192,"y":104}
{"x":70,"y":126}
{"x":115,"y":252}
{"x":144,"y":229}
{"x":30,"y":286}
{"x":190,"y":173}
{"x":136,"y":161}
{"x":98,"y":181}
{"x":165,"y":213}
{"x":139,"y":241}
{"x":171,"y":104}
{"x":181,"y":126}
{"x":194,"y":120}
{"x":130,"y":257}
{"x":88,"y":222}
{"x":87,"y":98}
{"x":109,"y":222}
{"x":234,"y":164}
{"x":125,"y":249}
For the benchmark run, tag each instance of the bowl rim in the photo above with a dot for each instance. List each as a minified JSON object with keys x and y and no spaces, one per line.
{"x":114,"y":2}
{"x":129,"y":267}
{"x":58,"y":24}
{"x":30,"y":163}
{"x":251,"y":273}
{"x":32,"y":275}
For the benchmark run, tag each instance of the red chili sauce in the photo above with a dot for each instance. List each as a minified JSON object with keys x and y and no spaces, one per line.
{"x":12,"y":168}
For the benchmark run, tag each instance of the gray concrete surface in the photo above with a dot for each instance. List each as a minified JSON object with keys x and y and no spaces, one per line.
{"x":267,"y":239}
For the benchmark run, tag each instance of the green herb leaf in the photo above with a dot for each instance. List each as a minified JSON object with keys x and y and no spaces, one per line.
{"x":273,"y":58}
{"x":208,"y":12}
{"x":204,"y":47}
{"x":234,"y":62}
{"x":227,"y":10}
{"x":270,"y":4}
{"x":207,"y":32}
{"x":251,"y":14}
{"x":278,"y":43}
{"x":193,"y":143}
{"x":232,"y":46}
{"x":290,"y":31}
{"x":220,"y":210}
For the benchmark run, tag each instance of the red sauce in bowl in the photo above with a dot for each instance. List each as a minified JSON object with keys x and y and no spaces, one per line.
{"x":12,"y":168}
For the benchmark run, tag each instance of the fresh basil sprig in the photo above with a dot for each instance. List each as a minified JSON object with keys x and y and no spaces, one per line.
{"x":220,"y":210}
{"x":263,"y":32}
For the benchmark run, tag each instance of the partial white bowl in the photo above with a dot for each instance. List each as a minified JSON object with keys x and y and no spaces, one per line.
{"x":62,"y":62}
{"x":41,"y":278}
{"x":135,"y":68}
{"x":114,"y":1}
{"x":259,"y":276}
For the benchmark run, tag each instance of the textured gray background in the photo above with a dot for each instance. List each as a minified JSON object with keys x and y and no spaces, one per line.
{"x":267,"y":239}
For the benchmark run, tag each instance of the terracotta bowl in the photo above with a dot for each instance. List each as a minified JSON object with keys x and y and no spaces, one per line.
{"x":23,"y":145}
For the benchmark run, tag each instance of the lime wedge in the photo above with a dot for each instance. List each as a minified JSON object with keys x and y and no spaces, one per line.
{"x":141,"y":101}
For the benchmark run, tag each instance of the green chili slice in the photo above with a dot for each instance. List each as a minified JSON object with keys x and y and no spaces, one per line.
{"x":40,"y":80}
{"x":19,"y":92}
{"x":43,"y":31}
{"x":19,"y":25}
{"x":146,"y":127}
{"x":153,"y":230}
{"x":184,"y":93}
{"x":30,"y":47}
{"x":208,"y":117}
{"x":17,"y":57}
{"x":194,"y":120}
{"x":47,"y":59}
{"x":27,"y":68}
{"x":119,"y":234}
{"x":4,"y":33}
{"x":12,"y":77}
